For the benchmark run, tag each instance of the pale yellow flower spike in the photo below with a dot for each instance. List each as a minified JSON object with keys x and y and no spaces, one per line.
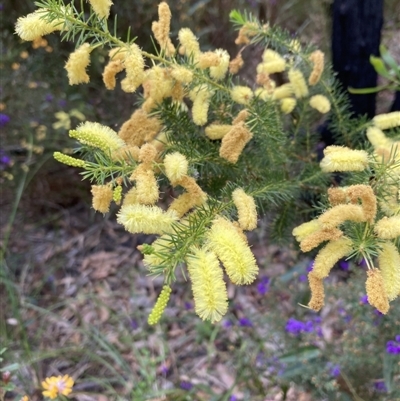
{"x":209,"y":289}
{"x":389,"y":120}
{"x":282,"y":91}
{"x":317,"y":57}
{"x":176,"y":166}
{"x":182,"y":74}
{"x":217,"y":131}
{"x":140,"y":128}
{"x":272,"y":62}
{"x":329,"y":255}
{"x":233,"y":251}
{"x":200,"y":95}
{"x":304,"y":230}
{"x":68,"y":160}
{"x":388,"y":227}
{"x":77,"y":63}
{"x":317,"y":292}
{"x":110,"y":71}
{"x":161,"y":29}
{"x":134,"y":67}
{"x":234,"y":141}
{"x":145,"y":219}
{"x":376,"y":293}
{"x":236,"y":64}
{"x":101,"y":7}
{"x":298,"y":83}
{"x":55,"y":386}
{"x":377,"y":138}
{"x":338,"y":214}
{"x":242,"y":94}
{"x":160,"y":305}
{"x":102,"y":197}
{"x":97,"y":135}
{"x":337,"y":196}
{"x":189,"y":42}
{"x":219,"y":71}
{"x":340,"y":158}
{"x":389,"y":264}
{"x":368,"y":199}
{"x":146,"y":185}
{"x":246,"y":207}
{"x":34,"y":26}
{"x":312,"y":240}
{"x":288,"y":104}
{"x":320,"y":103}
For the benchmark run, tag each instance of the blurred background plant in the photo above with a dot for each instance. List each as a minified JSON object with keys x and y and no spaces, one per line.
{"x":62,"y":259}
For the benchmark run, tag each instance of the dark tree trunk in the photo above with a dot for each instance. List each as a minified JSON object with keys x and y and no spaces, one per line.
{"x":356,"y":35}
{"x":396,"y":102}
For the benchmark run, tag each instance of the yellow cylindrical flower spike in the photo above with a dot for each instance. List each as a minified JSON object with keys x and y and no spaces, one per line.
{"x":34,"y":26}
{"x":282,"y":91}
{"x":272,"y":62}
{"x":145,"y":219}
{"x":288,"y":104}
{"x":190,"y":43}
{"x":388,"y":227}
{"x":68,"y":160}
{"x":200,"y":96}
{"x":320,"y":103}
{"x":312,"y":240}
{"x":176,"y":166}
{"x":139,"y":128}
{"x":368,"y":199}
{"x":337,"y":196}
{"x":340,"y":158}
{"x":241,"y":117}
{"x":110,"y":71}
{"x":376,"y":293}
{"x":317,"y":292}
{"x":209,"y":289}
{"x":219,"y":71}
{"x":242,"y":94}
{"x":304,"y":230}
{"x":161,"y":29}
{"x":389,"y":120}
{"x":247,"y":213}
{"x":134,"y":67}
{"x":131,"y":197}
{"x":233,"y":251}
{"x":160,"y":305}
{"x":182,"y":74}
{"x":236,"y":64}
{"x":117,"y":194}
{"x":377,"y":138}
{"x":330,"y":254}
{"x":101,"y":7}
{"x":234,"y":142}
{"x":146,"y":185}
{"x":317,"y":57}
{"x":338,"y":214}
{"x":298,"y":83}
{"x":98,"y":136}
{"x":77,"y":64}
{"x":102,"y":197}
{"x":389,"y":264}
{"x":217,"y":131}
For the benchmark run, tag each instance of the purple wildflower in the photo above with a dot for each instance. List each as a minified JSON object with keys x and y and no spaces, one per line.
{"x":364,"y":299}
{"x":62,"y":103}
{"x":302,"y":278}
{"x":163,"y":369}
{"x":335,"y":371}
{"x":310,"y":266}
{"x":245,"y":322}
{"x":344,"y":265}
{"x":297,"y":327}
{"x":188,"y":305}
{"x":233,"y":398}
{"x":134,"y":324}
{"x":393,"y":347}
{"x":263,"y":285}
{"x":185,"y":385}
{"x":227,"y":323}
{"x":380,"y":385}
{"x":4,"y":119}
{"x":49,"y":97}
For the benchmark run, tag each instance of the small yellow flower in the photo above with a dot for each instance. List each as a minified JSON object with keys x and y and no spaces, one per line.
{"x":241,"y":94}
{"x":160,"y":305}
{"x":101,"y":7}
{"x":389,"y":120}
{"x":320,"y":103}
{"x":298,"y":82}
{"x":317,"y":57}
{"x":77,"y":63}
{"x":176,"y":166}
{"x":24,"y":398}
{"x":288,"y":104}
{"x":54,"y":386}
